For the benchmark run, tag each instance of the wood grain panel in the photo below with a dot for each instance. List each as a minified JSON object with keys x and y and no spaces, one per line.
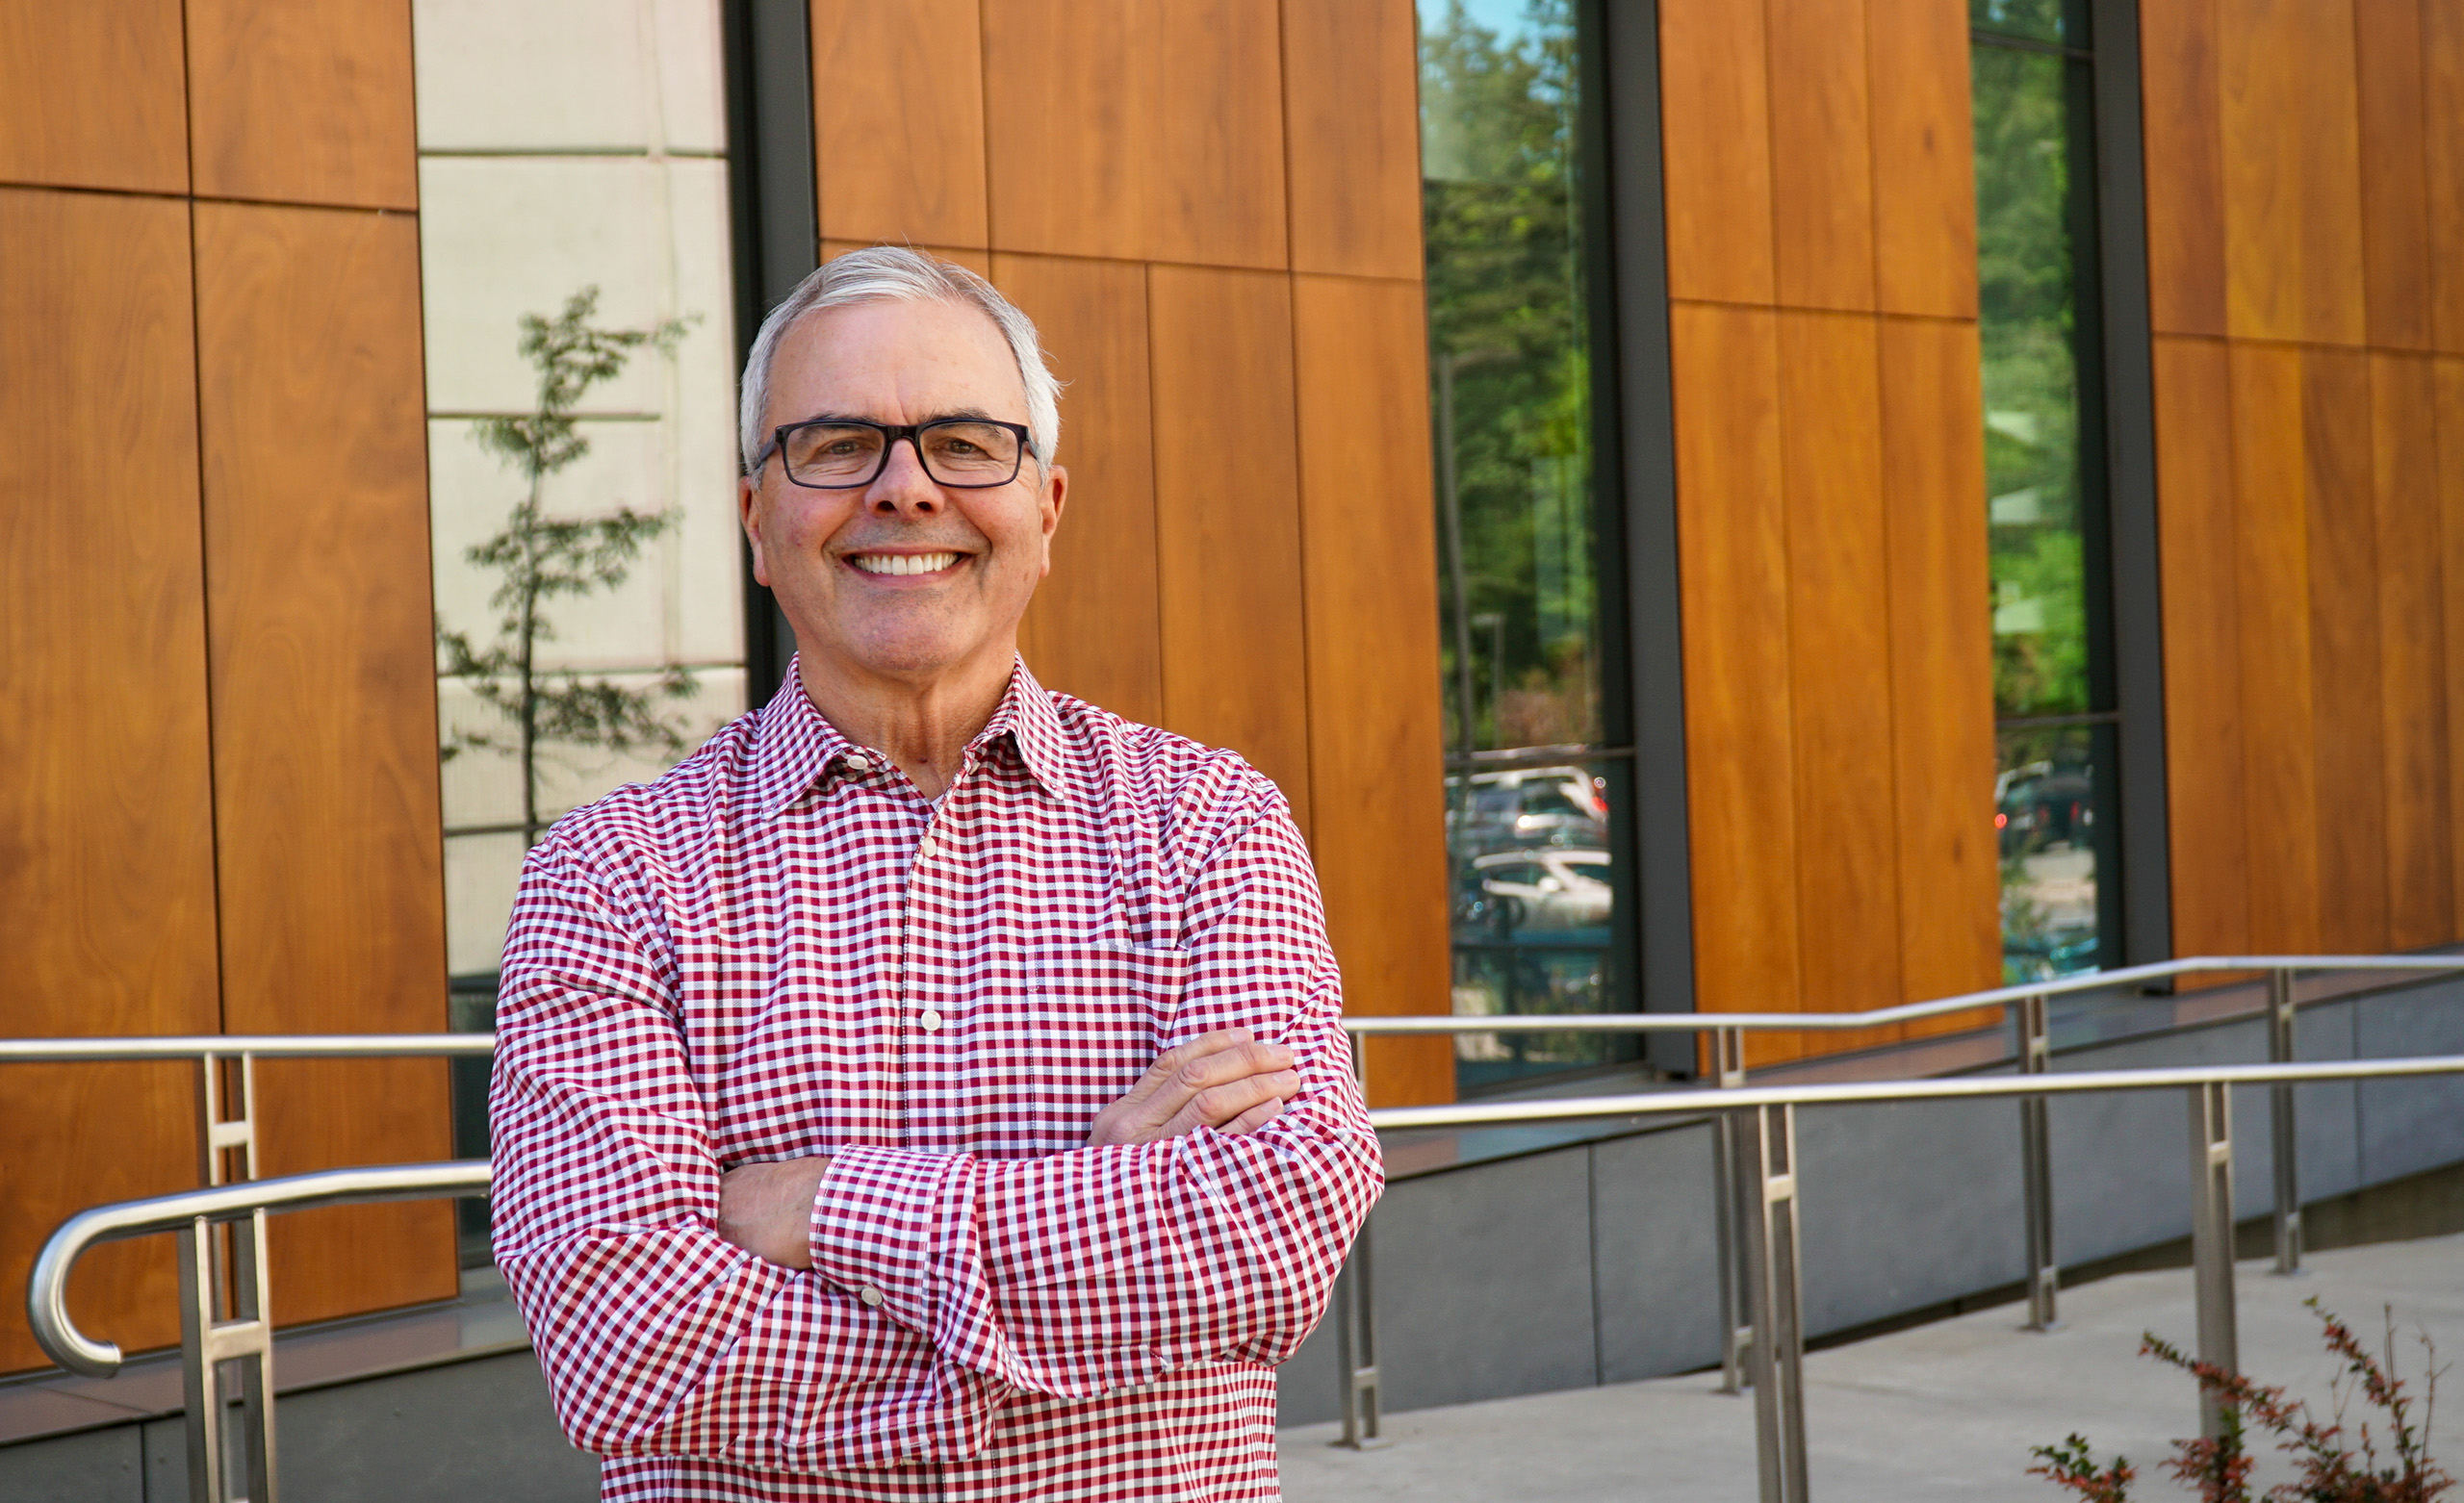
{"x":2412,"y":651}
{"x":106,"y":816}
{"x":1924,"y":158}
{"x":898,"y":120}
{"x":1094,"y":629}
{"x":94,"y":95}
{"x":2448,"y":375}
{"x":1376,"y":738}
{"x":1740,"y":751}
{"x":1351,"y":111}
{"x":2279,"y":756}
{"x":2292,"y":154}
{"x":2350,"y":727}
{"x":1839,"y":679}
{"x":2442,"y":166}
{"x":1715,"y":140}
{"x":2394,"y":190}
{"x":1822,"y":168}
{"x":1941,"y":663}
{"x":326,"y":802}
{"x":303,"y":101}
{"x":2183,"y":129}
{"x":1227,"y":517}
{"x":1146,"y":130}
{"x":973,"y":258}
{"x":2204,"y":746}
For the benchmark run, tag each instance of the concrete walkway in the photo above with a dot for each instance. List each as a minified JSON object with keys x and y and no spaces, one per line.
{"x":1942,"y":1412}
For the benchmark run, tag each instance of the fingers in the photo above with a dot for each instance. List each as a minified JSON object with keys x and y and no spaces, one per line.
{"x":1218,"y":1079}
{"x":1219,"y":1105}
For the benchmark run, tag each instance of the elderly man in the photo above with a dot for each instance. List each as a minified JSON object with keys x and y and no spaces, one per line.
{"x":932,"y":1087}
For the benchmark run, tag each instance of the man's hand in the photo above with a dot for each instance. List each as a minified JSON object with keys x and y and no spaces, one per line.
{"x":766,"y":1208}
{"x":1224,"y":1079}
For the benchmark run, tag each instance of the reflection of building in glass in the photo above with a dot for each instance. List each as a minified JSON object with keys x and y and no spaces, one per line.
{"x":1508,"y":301}
{"x":2035,"y":168}
{"x":567,"y":146}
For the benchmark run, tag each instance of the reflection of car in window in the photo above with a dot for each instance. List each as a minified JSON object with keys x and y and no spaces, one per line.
{"x":2039,"y":804}
{"x":1557,"y":887}
{"x":1525,"y":808}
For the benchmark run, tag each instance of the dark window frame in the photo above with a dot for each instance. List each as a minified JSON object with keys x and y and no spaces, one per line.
{"x":773,"y":215}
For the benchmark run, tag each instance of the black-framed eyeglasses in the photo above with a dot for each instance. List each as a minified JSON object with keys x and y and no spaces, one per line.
{"x":849,"y":453}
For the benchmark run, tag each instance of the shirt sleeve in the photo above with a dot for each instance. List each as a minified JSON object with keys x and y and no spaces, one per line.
{"x":657,"y":1335}
{"x":1083,"y":1272}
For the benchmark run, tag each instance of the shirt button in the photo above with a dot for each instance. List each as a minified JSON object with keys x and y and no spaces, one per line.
{"x":870,"y":1296}
{"x":926,"y":849}
{"x":858,"y":763}
{"x":930,"y":1020}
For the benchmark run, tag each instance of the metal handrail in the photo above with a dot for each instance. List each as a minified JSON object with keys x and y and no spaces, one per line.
{"x":212,"y":1338}
{"x":263,"y":1046}
{"x":1875,"y":1017}
{"x":1771,"y":1179}
{"x":2024,"y":1004}
{"x":47,"y":1291}
{"x":1967,"y":1087}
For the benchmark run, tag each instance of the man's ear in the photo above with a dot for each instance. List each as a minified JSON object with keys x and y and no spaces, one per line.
{"x":747,"y":508}
{"x":1056,"y":487}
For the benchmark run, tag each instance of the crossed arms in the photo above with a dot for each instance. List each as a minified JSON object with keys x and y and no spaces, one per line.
{"x":675,"y":1311}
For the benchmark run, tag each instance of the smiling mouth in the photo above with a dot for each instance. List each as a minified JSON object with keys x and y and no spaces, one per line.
{"x":901,"y":563}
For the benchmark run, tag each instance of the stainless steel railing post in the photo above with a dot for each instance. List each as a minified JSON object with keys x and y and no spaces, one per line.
{"x":1731,"y":1198}
{"x":209,"y":1344}
{"x":2036,"y":1167}
{"x":1356,"y":1318}
{"x":1769,"y":1134}
{"x":2212,"y":1239}
{"x":2283,"y":1127}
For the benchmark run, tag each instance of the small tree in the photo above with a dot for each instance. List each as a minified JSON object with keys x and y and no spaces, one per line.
{"x":540,"y":557}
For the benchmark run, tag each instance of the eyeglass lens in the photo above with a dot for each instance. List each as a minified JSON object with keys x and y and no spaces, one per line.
{"x":955,"y":452}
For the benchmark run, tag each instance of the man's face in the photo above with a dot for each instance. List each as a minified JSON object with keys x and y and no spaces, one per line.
{"x":827,"y":554}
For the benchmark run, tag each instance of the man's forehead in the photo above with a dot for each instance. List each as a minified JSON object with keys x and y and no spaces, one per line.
{"x":899,"y":350}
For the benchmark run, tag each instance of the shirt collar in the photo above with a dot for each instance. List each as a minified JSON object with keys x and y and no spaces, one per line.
{"x":798,"y":747}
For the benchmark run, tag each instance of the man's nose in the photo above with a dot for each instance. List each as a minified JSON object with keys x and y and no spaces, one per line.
{"x":903,"y":487}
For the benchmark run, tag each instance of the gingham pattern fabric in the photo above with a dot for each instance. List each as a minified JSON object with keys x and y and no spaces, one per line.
{"x":781,"y":949}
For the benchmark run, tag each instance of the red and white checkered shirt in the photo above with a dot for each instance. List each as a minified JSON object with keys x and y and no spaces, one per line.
{"x":781,"y":949}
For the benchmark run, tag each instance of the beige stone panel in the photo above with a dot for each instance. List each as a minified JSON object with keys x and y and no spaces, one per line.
{"x":503,"y":237}
{"x":692,"y":81}
{"x":480,"y":874}
{"x":707,"y":594}
{"x":541,"y":75}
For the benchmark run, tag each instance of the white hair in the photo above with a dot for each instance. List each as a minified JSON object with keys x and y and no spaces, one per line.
{"x":896,"y":273}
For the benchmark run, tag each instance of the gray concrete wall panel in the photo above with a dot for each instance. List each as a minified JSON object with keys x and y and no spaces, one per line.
{"x":1484,"y":1281}
{"x":1655,"y":1253}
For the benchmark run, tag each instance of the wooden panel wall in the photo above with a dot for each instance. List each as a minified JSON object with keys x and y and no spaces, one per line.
{"x":1831,"y":503}
{"x":2306,"y":261}
{"x":1212,"y":209}
{"x":220,"y":687}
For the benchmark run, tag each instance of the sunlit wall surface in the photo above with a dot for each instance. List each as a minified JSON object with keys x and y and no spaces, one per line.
{"x":1530,"y":789}
{"x":564,"y":145}
{"x":2034,"y":175}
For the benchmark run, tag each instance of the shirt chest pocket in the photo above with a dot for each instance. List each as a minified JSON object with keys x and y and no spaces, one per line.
{"x":1083,"y":1023}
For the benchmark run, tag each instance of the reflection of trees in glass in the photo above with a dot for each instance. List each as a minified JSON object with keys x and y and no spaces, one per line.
{"x":1506,"y":310}
{"x":540,"y":557}
{"x":2031,"y":382}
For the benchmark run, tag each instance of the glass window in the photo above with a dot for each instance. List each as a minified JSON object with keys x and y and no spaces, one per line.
{"x":2034,"y":177}
{"x":1531,"y":792}
{"x":573,"y":229}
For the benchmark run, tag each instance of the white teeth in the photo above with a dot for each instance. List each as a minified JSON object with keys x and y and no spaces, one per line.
{"x":904,"y":563}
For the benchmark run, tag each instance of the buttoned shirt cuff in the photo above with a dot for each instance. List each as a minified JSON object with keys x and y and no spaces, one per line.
{"x":875,"y":1218}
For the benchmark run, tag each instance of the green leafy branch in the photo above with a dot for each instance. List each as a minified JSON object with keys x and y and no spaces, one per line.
{"x":540,"y":559}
